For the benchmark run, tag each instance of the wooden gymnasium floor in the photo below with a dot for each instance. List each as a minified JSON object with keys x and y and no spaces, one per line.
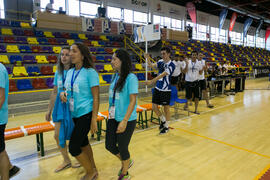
{"x":230,"y":141}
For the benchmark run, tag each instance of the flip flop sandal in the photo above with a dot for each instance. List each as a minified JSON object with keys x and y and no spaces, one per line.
{"x":62,"y":168}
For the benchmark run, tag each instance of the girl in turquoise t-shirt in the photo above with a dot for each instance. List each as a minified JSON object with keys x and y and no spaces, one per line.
{"x":63,"y":66}
{"x":122,"y":110}
{"x":82,"y":94}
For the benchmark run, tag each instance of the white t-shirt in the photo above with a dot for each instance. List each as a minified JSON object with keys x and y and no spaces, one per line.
{"x":192,"y":73}
{"x":177,"y":69}
{"x":201,"y":76}
{"x":49,"y":7}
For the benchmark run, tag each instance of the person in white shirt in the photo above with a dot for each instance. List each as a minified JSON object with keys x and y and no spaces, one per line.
{"x":193,"y":69}
{"x":176,"y":72}
{"x":49,"y":6}
{"x":202,"y":80}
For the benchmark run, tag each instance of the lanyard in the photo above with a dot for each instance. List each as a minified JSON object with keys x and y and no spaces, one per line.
{"x":114,"y":92}
{"x":73,"y":79}
{"x":63,"y":80}
{"x":193,"y":65}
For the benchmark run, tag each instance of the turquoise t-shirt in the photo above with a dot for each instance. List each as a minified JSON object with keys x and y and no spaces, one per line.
{"x":122,"y":98}
{"x":4,"y":83}
{"x":82,"y":95}
{"x":58,"y":80}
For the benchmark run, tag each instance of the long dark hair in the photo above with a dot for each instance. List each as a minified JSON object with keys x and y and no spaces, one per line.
{"x":87,"y":60}
{"x":60,"y":65}
{"x":126,"y":66}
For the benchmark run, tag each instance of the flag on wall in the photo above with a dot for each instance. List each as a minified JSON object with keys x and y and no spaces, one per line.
{"x":259,"y":27}
{"x":247,"y":24}
{"x":232,"y":22}
{"x":192,"y":12}
{"x":267,"y":33}
{"x":222,"y":18}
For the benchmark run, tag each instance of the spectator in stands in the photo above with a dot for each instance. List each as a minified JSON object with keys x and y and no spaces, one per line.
{"x":63,"y":66}
{"x":82,"y":93}
{"x":162,"y":90}
{"x":122,"y":110}
{"x":49,"y":6}
{"x":189,"y":29}
{"x":6,"y":169}
{"x":202,"y":80}
{"x":193,"y":69}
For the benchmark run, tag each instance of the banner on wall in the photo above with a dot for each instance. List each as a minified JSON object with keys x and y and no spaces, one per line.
{"x":267,"y":33}
{"x":259,"y":27}
{"x":106,"y":26}
{"x":98,"y":25}
{"x":87,"y":24}
{"x":222,"y":17}
{"x":192,"y":12}
{"x":232,"y":22}
{"x":147,"y":33}
{"x":122,"y":27}
{"x":247,"y":24}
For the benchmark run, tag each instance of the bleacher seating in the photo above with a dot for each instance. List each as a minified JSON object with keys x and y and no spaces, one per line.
{"x":107,"y":78}
{"x":6,"y":31}
{"x":49,"y":82}
{"x":29,"y":59}
{"x":33,"y":71}
{"x":12,"y":49}
{"x":12,"y":86}
{"x":32,"y":40}
{"x":48,"y":34}
{"x":39,"y":84}
{"x":14,"y":58}
{"x":52,"y":59}
{"x":24,"y":84}
{"x":57,"y":49}
{"x":19,"y":71}
{"x":41,"y":59}
{"x":25,"y":49}
{"x":47,"y":70}
{"x":108,"y":68}
{"x":4,"y":59}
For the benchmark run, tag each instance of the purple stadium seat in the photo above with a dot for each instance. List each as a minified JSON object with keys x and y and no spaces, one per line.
{"x":49,"y":82}
{"x":3,"y":49}
{"x":108,"y":58}
{"x":21,"y":40}
{"x":47,"y":49}
{"x":93,"y":50}
{"x":4,"y":22}
{"x":1,"y":39}
{"x":29,"y":59}
{"x":9,"y":70}
{"x":57,"y":35}
{"x":62,"y":41}
{"x":18,"y":32}
{"x":100,"y":68}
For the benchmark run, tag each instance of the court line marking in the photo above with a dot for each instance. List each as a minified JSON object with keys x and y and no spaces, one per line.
{"x":224,"y":143}
{"x":262,"y":172}
{"x":218,"y":141}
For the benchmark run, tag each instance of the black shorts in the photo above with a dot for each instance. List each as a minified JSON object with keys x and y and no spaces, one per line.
{"x":202,"y":84}
{"x":161,"y":97}
{"x":2,"y":137}
{"x":174,"y":80}
{"x":192,"y":88}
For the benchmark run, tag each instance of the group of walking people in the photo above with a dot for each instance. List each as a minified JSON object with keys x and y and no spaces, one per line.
{"x":74,"y":104}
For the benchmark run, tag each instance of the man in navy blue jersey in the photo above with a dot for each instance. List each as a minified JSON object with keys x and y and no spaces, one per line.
{"x":162,"y":90}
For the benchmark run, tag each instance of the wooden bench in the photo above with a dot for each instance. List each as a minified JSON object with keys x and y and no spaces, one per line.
{"x":38,"y":130}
